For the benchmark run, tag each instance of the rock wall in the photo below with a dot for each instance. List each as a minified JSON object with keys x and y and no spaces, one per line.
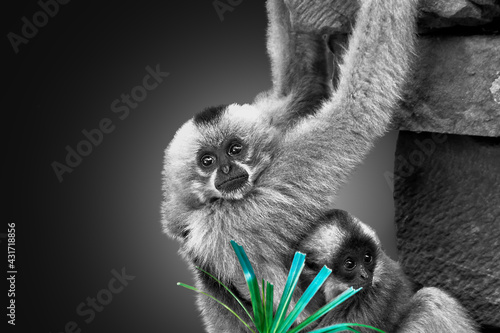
{"x":447,"y":200}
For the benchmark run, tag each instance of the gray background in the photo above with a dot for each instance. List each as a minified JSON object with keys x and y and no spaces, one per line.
{"x":105,"y":214}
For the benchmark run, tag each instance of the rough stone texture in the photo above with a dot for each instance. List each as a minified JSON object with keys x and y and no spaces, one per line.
{"x":339,"y":15}
{"x":454,"y":88}
{"x":448,"y":13}
{"x":495,"y":90}
{"x":447,"y":199}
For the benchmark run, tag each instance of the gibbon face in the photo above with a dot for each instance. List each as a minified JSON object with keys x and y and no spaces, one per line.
{"x":350,"y":248}
{"x":225,"y":164}
{"x":355,"y":262}
{"x":220,"y":153}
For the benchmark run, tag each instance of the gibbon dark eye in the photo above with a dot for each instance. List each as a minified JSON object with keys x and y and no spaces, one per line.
{"x":207,"y":160}
{"x":349,"y":264}
{"x":368,"y":258}
{"x":235,"y":149}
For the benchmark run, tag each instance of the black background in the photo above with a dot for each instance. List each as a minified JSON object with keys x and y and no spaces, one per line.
{"x":104,"y":215}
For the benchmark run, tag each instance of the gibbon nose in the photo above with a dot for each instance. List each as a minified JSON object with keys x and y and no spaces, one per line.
{"x":365,"y":278}
{"x":363,"y":274}
{"x":225,"y":169}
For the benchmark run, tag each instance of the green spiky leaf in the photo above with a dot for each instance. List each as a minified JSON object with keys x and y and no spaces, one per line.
{"x":269,"y":306}
{"x":215,"y":299}
{"x":344,"y":327}
{"x":229,"y":290}
{"x":306,"y":297}
{"x":291,"y":283}
{"x":321,"y":312}
{"x":262,"y":304}
{"x":253,"y":286}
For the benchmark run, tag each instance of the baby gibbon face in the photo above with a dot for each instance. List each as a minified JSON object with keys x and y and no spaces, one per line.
{"x":219,"y":154}
{"x":350,"y":248}
{"x":355,"y":262}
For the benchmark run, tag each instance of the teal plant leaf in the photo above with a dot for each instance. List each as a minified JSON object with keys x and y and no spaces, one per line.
{"x":264,"y":320}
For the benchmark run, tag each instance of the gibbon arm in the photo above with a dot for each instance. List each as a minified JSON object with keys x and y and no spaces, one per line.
{"x":325,"y":148}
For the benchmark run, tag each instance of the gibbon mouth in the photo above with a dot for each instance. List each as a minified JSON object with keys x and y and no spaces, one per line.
{"x":232,"y":184}
{"x":366,"y":286}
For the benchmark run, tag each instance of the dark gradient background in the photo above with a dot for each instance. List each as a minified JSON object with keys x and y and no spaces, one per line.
{"x":105,"y":214}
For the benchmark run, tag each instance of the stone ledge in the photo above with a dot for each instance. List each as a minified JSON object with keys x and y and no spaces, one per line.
{"x":339,"y":15}
{"x":455,"y":87}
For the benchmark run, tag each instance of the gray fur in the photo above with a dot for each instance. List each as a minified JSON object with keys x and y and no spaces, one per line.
{"x":294,"y":173}
{"x":301,"y":67}
{"x":390,"y":303}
